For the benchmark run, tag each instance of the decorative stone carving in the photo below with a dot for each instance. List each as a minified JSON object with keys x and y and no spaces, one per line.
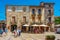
{"x":13,"y":8}
{"x":24,"y":9}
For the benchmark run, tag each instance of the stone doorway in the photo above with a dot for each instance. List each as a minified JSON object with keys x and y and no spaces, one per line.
{"x":23,"y":28}
{"x":13,"y":27}
{"x":13,"y":24}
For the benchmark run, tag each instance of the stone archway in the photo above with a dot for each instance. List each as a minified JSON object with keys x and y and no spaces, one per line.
{"x":13,"y":24}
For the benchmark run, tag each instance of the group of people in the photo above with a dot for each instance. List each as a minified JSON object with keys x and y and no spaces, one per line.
{"x":17,"y":32}
{"x":3,"y":30}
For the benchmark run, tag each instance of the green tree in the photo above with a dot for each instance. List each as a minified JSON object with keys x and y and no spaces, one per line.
{"x":57,"y":20}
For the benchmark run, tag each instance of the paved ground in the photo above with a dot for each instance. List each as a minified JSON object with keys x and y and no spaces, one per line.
{"x":27,"y":36}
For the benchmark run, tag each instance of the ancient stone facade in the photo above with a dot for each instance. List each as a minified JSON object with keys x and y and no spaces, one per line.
{"x":42,"y":14}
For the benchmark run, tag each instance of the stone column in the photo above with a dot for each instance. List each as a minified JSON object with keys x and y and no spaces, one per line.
{"x":27,"y":29}
{"x":20,"y":25}
{"x":52,"y":23}
{"x":30,"y":15}
{"x":36,"y":19}
{"x":42,"y":15}
{"x":52,"y":18}
{"x":8,"y":22}
{"x":19,"y":20}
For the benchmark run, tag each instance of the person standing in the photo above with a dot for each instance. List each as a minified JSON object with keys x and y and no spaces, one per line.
{"x":3,"y":27}
{"x":18,"y":31}
{"x":15,"y":33}
{"x":1,"y":31}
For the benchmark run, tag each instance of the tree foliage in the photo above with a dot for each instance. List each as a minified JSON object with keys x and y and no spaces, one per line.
{"x":57,"y":20}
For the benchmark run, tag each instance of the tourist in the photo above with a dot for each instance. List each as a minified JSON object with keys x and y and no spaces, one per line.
{"x":18,"y":31}
{"x":3,"y":27}
{"x":15,"y":33}
{"x":1,"y":31}
{"x":6,"y":30}
{"x":12,"y":28}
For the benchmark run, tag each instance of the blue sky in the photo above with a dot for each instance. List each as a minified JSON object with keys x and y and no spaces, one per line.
{"x":3,"y":3}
